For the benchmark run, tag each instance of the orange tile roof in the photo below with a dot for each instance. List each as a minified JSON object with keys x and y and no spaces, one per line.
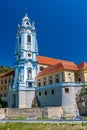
{"x":82,"y":65}
{"x":2,"y":74}
{"x":49,"y":61}
{"x":6,"y":74}
{"x":58,"y":67}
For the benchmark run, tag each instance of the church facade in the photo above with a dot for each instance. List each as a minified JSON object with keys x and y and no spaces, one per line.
{"x":27,"y":65}
{"x":23,"y":87}
{"x":53,"y":82}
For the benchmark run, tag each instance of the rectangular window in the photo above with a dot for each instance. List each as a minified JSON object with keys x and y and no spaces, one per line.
{"x":1,"y":88}
{"x":39,"y":84}
{"x":5,"y":87}
{"x":1,"y":81}
{"x":45,"y":92}
{"x":9,"y":80}
{"x":5,"y":81}
{"x":50,"y":80}
{"x":52,"y":91}
{"x":62,"y":75}
{"x":39,"y":93}
{"x":30,"y":85}
{"x":66,"y":90}
{"x":4,"y":94}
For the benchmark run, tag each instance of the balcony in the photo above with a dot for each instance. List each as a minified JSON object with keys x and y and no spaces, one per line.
{"x":63,"y":84}
{"x":30,"y":79}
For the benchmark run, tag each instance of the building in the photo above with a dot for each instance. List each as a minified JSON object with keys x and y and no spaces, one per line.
{"x":53,"y":82}
{"x":5,"y":81}
{"x":60,"y":84}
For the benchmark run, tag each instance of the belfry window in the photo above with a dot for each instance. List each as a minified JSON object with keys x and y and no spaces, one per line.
{"x":28,"y":38}
{"x":19,"y":39}
{"x":29,"y":74}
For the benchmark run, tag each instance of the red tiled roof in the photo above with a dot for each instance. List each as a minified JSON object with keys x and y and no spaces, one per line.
{"x":82,"y":65}
{"x":49,"y":61}
{"x":58,"y":67}
{"x":6,"y":74}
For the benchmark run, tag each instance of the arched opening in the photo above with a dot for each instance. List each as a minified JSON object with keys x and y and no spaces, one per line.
{"x":29,"y":74}
{"x":28,"y":38}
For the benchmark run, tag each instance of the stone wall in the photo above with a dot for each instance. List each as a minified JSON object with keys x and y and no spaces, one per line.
{"x":55,"y":112}
{"x":3,"y":113}
{"x":27,"y":112}
{"x":34,"y":113}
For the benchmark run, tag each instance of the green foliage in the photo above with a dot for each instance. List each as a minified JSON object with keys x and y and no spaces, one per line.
{"x":42,"y":126}
{"x":0,"y":105}
{"x":3,"y":104}
{"x":18,"y":117}
{"x":4,"y":69}
{"x":83,"y":91}
{"x":42,"y":118}
{"x":84,"y":117}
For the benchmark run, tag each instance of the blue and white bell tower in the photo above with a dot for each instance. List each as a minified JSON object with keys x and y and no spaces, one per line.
{"x":22,"y":91}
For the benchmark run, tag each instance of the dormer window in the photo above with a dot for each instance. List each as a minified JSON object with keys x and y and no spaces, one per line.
{"x":41,"y":68}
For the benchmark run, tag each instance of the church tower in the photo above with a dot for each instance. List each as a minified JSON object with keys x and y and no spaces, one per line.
{"x":22,"y":90}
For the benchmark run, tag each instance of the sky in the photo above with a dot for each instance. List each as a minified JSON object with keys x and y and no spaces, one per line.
{"x":61,"y":27}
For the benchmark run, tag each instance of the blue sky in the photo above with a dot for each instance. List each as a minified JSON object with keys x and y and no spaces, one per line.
{"x":61,"y":27}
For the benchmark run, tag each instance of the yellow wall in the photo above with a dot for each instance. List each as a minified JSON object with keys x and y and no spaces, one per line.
{"x":4,"y":84}
{"x":53,"y":75}
{"x":69,"y":76}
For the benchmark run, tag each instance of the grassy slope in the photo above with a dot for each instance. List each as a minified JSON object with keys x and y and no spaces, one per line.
{"x":41,"y":126}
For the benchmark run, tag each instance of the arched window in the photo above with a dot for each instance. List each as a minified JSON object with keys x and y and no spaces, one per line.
{"x":62,"y":76}
{"x":29,"y":74}
{"x":50,"y":80}
{"x":79,"y":79}
{"x":20,"y":77}
{"x":28,"y":38}
{"x":44,"y":81}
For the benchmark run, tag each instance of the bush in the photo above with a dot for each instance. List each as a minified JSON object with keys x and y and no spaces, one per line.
{"x":3,"y":104}
{"x":0,"y":105}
